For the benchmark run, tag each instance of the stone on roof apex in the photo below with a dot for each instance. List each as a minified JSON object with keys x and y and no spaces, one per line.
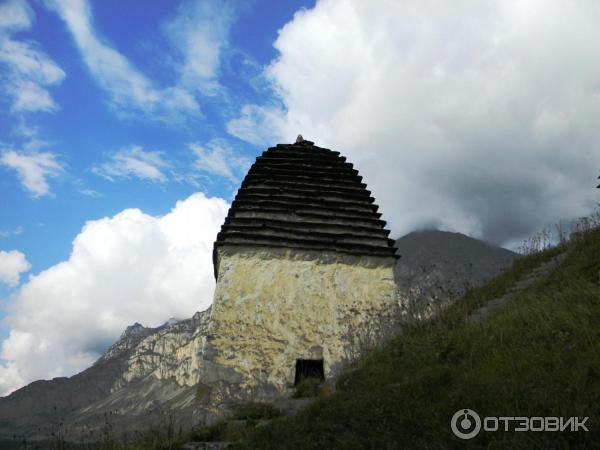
{"x":300,"y":140}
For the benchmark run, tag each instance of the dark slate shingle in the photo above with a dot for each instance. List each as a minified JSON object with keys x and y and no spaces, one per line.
{"x":305,"y":197}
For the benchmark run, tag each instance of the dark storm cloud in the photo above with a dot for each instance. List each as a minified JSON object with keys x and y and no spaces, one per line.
{"x":476,"y":117}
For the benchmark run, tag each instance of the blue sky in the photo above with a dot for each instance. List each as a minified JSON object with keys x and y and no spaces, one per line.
{"x":126,"y":128}
{"x":83,"y":130}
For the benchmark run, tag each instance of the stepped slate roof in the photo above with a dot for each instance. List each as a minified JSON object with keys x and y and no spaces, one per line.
{"x":305,"y":197}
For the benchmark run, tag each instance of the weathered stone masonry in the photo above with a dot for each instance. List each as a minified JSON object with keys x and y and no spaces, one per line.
{"x":305,"y":271}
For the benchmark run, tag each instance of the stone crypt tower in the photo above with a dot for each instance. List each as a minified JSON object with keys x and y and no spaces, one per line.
{"x":305,"y":279}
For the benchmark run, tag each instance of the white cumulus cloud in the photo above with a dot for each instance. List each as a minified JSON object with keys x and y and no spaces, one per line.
{"x":468,"y":116}
{"x":122,"y":269}
{"x":27,"y":72}
{"x":135,"y":162}
{"x":12,"y":264}
{"x":217,"y":158}
{"x":129,"y":89}
{"x":198,"y":33}
{"x":33,"y":169}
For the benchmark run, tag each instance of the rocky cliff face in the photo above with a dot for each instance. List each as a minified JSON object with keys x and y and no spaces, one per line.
{"x":147,"y":374}
{"x":169,"y":352}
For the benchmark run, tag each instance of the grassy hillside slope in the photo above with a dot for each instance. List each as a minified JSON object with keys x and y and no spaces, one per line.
{"x":537,"y":356}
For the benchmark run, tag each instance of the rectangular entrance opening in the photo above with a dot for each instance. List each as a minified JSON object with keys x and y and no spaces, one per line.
{"x":309,"y":368}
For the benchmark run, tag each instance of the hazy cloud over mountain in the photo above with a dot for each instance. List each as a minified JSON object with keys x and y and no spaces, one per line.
{"x":467,"y":116}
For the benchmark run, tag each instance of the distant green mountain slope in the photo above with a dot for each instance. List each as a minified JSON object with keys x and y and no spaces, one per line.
{"x":537,"y":355}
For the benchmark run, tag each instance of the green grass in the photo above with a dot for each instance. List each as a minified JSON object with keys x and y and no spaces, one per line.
{"x":238,"y":425}
{"x":308,"y":387}
{"x":255,"y":411}
{"x":538,"y":356}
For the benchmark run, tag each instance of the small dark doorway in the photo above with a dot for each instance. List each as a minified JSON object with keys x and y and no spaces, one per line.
{"x":309,"y":368}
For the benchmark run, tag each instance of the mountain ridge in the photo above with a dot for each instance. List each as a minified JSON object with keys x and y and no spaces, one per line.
{"x":149,"y":372}
{"x":145,"y":373}
{"x":437,"y":267}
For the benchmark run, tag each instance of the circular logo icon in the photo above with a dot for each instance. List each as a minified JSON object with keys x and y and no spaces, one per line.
{"x":465,"y":424}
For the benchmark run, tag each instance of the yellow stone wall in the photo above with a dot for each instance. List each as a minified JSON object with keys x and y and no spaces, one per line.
{"x":273,"y":307}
